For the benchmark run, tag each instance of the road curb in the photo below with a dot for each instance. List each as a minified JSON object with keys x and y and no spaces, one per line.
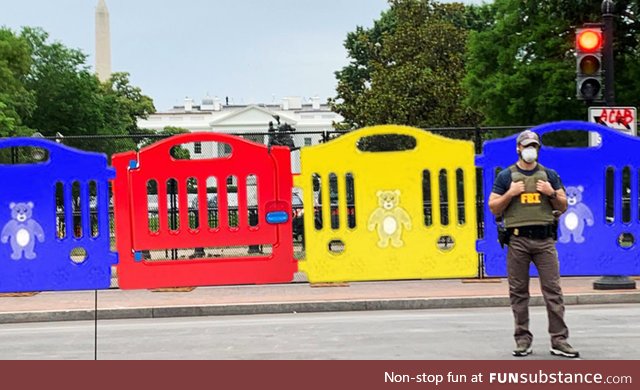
{"x":303,"y":307}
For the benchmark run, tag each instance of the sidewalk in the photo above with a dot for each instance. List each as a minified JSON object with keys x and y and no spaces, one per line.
{"x":289,"y":298}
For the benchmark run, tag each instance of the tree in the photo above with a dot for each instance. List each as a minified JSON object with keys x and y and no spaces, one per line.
{"x":71,"y":100}
{"x":408,"y":68}
{"x":16,"y":101}
{"x":122,"y":105}
{"x":67,"y":94}
{"x":521,"y":71}
{"x":363,"y":47}
{"x":129,"y":102}
{"x":8,"y":118}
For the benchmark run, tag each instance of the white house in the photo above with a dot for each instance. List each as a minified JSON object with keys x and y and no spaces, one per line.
{"x":216,"y":116}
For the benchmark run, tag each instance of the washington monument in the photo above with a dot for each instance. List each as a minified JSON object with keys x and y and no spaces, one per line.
{"x":103,"y":42}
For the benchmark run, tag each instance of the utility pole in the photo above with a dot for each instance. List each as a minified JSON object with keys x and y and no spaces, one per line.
{"x":607,"y":52}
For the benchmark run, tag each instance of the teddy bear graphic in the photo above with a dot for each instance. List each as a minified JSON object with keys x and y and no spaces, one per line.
{"x":572,"y":222}
{"x":22,"y":231}
{"x":389,"y":218}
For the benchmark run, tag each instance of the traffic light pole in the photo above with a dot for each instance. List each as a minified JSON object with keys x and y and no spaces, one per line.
{"x":615,"y":282}
{"x":607,"y":52}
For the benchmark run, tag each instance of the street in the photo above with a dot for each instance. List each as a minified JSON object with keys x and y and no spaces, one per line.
{"x":598,"y":332}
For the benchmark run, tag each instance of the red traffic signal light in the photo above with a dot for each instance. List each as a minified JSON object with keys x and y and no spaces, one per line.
{"x":589,"y":45}
{"x":589,"y":40}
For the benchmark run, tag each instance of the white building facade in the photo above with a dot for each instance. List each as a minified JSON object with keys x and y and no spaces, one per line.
{"x":215,"y":116}
{"x":309,"y":118}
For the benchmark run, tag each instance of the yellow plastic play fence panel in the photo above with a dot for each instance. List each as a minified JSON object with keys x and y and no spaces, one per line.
{"x":391,"y":215}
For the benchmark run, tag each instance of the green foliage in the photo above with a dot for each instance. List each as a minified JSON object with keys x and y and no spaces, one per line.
{"x":521,"y":70}
{"x":8,"y":118}
{"x":122,"y":105}
{"x":514,"y":59}
{"x":49,"y":88}
{"x":407,"y":69}
{"x":16,"y":101}
{"x":68,"y":98}
{"x":128,"y":101}
{"x":363,"y":47}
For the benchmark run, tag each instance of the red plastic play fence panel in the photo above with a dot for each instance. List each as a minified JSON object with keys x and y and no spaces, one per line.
{"x":139,"y":232}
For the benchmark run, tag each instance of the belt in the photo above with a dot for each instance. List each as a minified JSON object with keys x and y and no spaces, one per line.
{"x":536,"y":232}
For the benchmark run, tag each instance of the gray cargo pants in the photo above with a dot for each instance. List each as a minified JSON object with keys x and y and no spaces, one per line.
{"x":522,"y":251}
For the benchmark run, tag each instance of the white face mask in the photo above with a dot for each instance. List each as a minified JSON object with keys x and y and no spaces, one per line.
{"x":529,"y":154}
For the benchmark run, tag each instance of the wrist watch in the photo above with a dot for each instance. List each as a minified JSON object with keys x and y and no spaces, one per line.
{"x":554,"y":195}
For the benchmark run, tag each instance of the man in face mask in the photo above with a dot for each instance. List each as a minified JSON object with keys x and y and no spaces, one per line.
{"x":526,"y":195}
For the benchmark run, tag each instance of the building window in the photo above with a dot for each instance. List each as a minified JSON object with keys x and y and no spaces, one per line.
{"x":307,"y":141}
{"x":197,"y":148}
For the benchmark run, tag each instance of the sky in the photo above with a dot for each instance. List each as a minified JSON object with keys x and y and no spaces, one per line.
{"x":251,"y":51}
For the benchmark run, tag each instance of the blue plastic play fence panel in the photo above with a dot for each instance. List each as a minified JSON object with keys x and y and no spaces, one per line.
{"x":54,"y":217}
{"x":593,"y":239}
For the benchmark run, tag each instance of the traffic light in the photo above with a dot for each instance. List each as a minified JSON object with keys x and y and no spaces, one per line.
{"x":589,"y":83}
